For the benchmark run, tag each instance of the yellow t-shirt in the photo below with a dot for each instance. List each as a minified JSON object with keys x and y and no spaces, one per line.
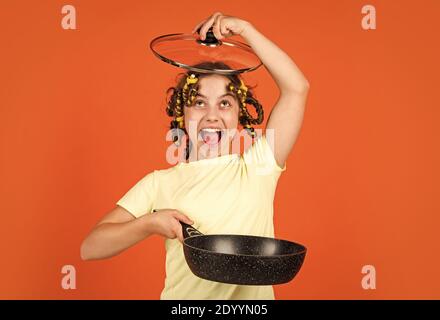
{"x":230,"y":194}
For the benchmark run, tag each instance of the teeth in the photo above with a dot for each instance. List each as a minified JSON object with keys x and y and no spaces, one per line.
{"x":211,"y":130}
{"x":205,"y":131}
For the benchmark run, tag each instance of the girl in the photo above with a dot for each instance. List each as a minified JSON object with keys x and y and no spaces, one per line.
{"x":234,"y":195}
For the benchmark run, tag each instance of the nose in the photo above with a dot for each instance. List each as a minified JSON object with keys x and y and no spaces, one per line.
{"x":212,"y":115}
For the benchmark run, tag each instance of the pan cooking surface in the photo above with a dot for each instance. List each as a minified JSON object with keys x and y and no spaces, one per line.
{"x":244,"y":245}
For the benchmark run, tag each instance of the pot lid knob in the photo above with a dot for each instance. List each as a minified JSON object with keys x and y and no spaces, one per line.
{"x":210,"y":39}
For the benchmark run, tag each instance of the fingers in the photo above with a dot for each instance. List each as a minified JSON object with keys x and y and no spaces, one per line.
{"x":179,"y":234}
{"x":224,"y":29}
{"x":177,"y":231}
{"x":176,"y":214}
{"x":197,"y":26}
{"x":216,"y":27}
{"x":208,"y":25}
{"x":181,"y":217}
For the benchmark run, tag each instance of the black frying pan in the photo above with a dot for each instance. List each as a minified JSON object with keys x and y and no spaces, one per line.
{"x":241,"y":259}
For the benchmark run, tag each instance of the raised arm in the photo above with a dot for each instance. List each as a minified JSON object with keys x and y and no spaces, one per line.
{"x":287,"y":115}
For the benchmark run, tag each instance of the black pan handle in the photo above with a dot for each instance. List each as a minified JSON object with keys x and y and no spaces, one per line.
{"x":189,"y":231}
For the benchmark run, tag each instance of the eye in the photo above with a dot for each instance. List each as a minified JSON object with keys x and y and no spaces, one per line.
{"x":198,"y":103}
{"x":226,"y":103}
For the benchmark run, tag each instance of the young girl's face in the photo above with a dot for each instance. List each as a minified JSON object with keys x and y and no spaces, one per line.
{"x":216,"y":108}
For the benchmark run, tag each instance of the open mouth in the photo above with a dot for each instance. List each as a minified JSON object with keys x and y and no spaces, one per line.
{"x":211,"y":136}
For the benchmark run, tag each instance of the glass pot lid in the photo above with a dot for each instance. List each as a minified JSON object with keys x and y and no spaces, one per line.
{"x":187,"y":51}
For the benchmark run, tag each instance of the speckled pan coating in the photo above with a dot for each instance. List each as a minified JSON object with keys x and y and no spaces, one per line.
{"x":242,"y":259}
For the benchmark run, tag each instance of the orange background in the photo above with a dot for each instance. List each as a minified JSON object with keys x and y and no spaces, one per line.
{"x":82,"y":120}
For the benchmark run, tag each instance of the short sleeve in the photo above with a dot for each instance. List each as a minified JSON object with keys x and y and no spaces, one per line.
{"x":139,"y":200}
{"x":261,"y":157}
